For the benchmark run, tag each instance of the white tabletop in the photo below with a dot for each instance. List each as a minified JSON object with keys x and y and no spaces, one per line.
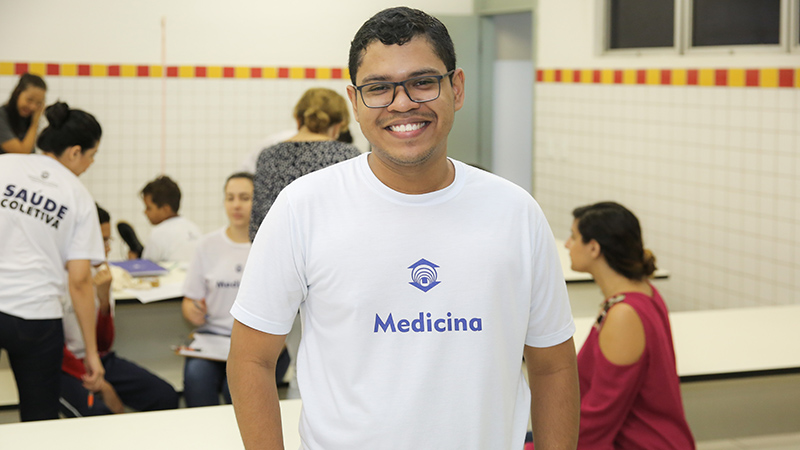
{"x":212,"y":427}
{"x":170,"y":286}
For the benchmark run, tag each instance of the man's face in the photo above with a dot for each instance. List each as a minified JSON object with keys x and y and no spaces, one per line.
{"x":405,"y":133}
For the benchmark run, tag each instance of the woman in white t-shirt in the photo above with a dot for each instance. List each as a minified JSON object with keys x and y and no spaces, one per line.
{"x":212,"y":283}
{"x":48,"y":222}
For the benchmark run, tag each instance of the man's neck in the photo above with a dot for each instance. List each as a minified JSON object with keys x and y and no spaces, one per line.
{"x":414,"y":180}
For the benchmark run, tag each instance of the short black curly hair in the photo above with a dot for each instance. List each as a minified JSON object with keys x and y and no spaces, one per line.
{"x":398,"y":26}
{"x":163,"y":191}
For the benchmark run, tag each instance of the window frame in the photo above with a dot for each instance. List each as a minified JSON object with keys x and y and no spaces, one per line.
{"x":780,"y":47}
{"x":604,"y":43}
{"x":789,"y":34}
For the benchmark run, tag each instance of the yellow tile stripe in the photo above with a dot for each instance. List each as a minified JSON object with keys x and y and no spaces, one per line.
{"x":8,"y":68}
{"x":723,"y":77}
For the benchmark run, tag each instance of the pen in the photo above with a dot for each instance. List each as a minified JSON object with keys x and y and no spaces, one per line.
{"x":90,"y":399}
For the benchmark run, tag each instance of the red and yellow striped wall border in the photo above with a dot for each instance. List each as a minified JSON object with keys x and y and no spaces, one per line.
{"x":766,"y":78}
{"x":157,"y":71}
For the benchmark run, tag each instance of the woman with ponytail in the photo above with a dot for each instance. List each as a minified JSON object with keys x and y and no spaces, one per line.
{"x":48,"y":223}
{"x":19,"y":117}
{"x":630,"y":391}
{"x":321,"y":116}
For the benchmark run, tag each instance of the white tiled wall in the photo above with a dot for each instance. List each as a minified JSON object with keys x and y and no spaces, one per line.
{"x":711,"y":172}
{"x":210,"y":126}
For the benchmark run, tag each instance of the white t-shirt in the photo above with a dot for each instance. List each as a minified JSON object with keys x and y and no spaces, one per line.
{"x":47,"y":217}
{"x":214,"y":275}
{"x":174,"y":239}
{"x":415,"y":308}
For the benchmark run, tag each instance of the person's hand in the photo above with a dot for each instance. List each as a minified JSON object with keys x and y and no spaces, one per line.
{"x":37,"y":114}
{"x":93,"y":378}
{"x":132,"y":255}
{"x":102,"y":279}
{"x":196,"y":313}
{"x":111,"y":398}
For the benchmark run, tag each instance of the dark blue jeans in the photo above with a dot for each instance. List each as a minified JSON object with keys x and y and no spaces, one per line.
{"x":203,"y":381}
{"x":35,"y":349}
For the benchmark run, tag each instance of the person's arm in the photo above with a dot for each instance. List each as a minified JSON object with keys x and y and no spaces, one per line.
{"x":555,"y":400}
{"x":27,"y":143}
{"x":194,"y":311}
{"x":251,"y":378}
{"x":616,"y":378}
{"x":81,"y":290}
{"x":105,"y":320}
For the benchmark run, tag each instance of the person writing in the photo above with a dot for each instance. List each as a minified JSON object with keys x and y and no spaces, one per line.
{"x":421,"y":281}
{"x":630,"y":391}
{"x":48,"y":221}
{"x":19,"y":117}
{"x":212,"y":282}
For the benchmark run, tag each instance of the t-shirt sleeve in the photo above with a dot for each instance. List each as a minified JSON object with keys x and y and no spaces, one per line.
{"x":195,"y":286}
{"x":273,"y":283}
{"x":87,"y":239}
{"x":550,"y":315}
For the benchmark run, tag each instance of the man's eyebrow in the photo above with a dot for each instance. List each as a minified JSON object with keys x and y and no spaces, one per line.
{"x":416,"y":73}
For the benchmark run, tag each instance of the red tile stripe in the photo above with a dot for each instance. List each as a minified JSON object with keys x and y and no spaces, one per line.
{"x":725,"y":77}
{"x":154,"y":70}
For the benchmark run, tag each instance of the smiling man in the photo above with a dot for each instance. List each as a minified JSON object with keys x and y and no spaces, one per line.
{"x":421,"y":281}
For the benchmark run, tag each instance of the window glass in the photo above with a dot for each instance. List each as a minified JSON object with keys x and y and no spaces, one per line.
{"x":735,"y":22}
{"x":642,"y":24}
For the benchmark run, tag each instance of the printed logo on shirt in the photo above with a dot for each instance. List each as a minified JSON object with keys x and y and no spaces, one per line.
{"x":423,"y":275}
{"x":33,"y":204}
{"x":426,"y":323}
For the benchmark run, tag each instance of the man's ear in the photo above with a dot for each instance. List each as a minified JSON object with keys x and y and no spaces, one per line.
{"x":352,"y":94}
{"x":458,"y":88}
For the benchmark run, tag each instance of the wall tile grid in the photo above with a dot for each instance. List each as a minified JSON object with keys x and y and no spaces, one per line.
{"x":711,"y":172}
{"x":211,"y":124}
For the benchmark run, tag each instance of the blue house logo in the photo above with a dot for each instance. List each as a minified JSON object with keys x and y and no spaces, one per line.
{"x":423,"y":275}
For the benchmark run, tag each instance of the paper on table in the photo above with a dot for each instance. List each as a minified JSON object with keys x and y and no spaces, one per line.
{"x":208,"y":346}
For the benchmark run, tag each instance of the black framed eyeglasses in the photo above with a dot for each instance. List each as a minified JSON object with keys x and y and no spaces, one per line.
{"x":418,"y":89}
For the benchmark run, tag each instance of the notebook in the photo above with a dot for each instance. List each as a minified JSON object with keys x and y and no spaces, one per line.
{"x":141,"y":267}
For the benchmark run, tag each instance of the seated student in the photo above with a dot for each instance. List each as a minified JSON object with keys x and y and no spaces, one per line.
{"x":211,"y":286}
{"x":174,"y":237}
{"x":630,"y":392}
{"x":19,"y":117}
{"x":125,"y":383}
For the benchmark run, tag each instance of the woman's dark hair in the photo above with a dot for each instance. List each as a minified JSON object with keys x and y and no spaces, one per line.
{"x":67,"y":127}
{"x":617,"y":231}
{"x":398,"y":26}
{"x":19,"y":125}
{"x":245,"y":175}
{"x":103,"y":215}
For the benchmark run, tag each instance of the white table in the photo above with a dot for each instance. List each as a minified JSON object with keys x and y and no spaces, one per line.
{"x":211,"y":428}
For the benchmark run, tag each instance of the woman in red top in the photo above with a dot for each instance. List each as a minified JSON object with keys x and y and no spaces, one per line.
{"x":630,"y":391}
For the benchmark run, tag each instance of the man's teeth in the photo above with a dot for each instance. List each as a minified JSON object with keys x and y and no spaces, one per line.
{"x":406,"y":127}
